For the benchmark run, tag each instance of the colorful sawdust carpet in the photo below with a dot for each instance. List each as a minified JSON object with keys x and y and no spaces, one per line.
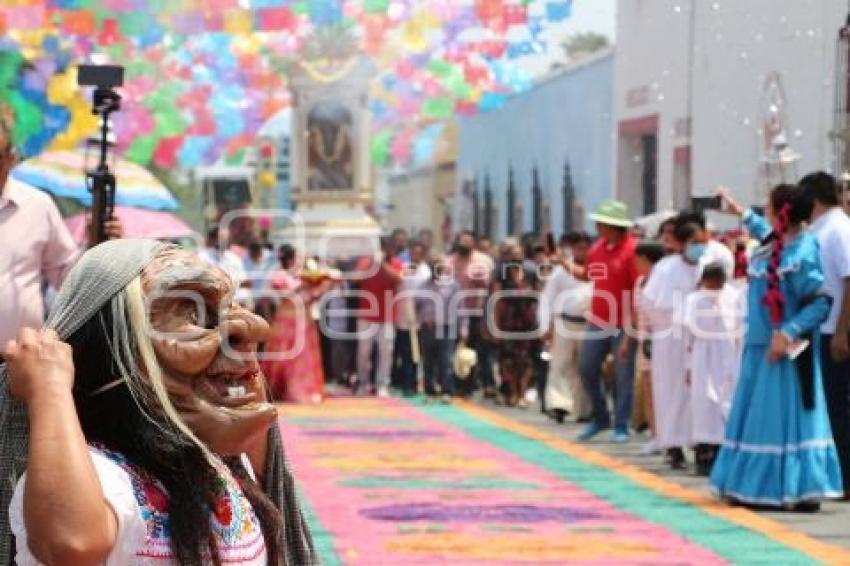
{"x":391,"y":482}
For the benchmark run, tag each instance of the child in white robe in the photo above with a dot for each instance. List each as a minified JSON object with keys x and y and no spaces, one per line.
{"x":714,"y":325}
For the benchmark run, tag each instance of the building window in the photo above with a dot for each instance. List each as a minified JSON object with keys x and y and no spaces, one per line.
{"x":649,"y":175}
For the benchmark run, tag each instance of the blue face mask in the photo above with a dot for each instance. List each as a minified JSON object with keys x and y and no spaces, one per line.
{"x":694,"y":251}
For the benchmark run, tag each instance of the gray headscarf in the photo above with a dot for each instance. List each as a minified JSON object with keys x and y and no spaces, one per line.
{"x":102,"y":273}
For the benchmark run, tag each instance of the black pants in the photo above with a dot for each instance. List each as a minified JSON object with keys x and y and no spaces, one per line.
{"x":482,"y":373}
{"x":437,"y":347}
{"x":404,"y":368}
{"x":835,"y":384}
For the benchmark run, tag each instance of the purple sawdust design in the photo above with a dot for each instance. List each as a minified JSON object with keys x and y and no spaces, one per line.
{"x":375,"y":433}
{"x":465,"y":513}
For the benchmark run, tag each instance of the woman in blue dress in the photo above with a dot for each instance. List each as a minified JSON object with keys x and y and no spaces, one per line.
{"x":778,"y":449}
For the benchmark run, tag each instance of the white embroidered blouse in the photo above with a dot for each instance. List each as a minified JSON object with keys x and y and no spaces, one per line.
{"x":140,"y":503}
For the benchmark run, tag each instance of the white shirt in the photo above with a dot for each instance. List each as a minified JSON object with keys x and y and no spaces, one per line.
{"x":716,"y":252}
{"x":563,"y":294}
{"x":258,"y":272}
{"x":35,"y":245}
{"x":131,"y":537}
{"x":227,"y":261}
{"x":413,"y":279}
{"x":832,"y":230}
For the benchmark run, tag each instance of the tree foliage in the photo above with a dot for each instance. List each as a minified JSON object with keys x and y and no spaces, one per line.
{"x":580,"y":45}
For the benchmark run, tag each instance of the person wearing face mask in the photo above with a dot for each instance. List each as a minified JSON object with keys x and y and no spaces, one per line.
{"x":515,"y":318}
{"x":437,"y":330}
{"x":706,"y":249}
{"x":473,"y":270}
{"x":664,"y":295}
{"x":150,"y":437}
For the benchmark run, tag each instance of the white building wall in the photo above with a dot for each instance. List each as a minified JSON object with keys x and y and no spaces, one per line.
{"x":700,"y":66}
{"x":651,"y":78}
{"x":737,"y":45}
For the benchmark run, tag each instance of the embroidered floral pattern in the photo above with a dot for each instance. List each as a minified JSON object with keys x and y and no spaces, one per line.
{"x":234,"y":523}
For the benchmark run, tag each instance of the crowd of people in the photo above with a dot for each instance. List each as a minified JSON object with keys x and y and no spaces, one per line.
{"x":731,"y":344}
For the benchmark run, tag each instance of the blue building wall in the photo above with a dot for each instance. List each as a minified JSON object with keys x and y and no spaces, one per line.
{"x":567,"y":116}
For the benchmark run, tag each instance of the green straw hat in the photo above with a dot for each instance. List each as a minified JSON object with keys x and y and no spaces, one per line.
{"x":612,"y":213}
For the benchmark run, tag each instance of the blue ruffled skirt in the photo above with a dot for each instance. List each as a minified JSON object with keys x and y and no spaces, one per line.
{"x":775,"y":451}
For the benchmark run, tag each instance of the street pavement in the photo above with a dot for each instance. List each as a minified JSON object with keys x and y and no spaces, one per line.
{"x":831,"y":525}
{"x":410,"y":482}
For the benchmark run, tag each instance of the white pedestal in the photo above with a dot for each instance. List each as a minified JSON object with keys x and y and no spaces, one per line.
{"x":332,"y":230}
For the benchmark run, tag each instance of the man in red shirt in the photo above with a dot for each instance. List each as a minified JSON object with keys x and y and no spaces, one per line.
{"x":611,"y":267}
{"x":375,"y":322}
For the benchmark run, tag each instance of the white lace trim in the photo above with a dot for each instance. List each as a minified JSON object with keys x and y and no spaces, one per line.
{"x":779,"y":448}
{"x":789,"y":500}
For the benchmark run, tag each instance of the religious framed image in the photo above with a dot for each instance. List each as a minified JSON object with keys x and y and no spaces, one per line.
{"x":330,"y":155}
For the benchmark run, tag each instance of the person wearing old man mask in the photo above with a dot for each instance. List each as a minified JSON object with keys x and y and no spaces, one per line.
{"x":150,"y":440}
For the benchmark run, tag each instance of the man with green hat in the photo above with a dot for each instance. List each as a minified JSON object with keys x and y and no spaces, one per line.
{"x":611,"y":267}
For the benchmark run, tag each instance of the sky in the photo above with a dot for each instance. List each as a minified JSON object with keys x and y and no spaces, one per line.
{"x":588,"y":15}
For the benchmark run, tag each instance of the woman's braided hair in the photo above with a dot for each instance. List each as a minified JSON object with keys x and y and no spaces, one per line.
{"x":792,"y":206}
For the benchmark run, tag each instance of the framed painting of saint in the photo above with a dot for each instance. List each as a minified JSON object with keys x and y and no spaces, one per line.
{"x":330,"y":155}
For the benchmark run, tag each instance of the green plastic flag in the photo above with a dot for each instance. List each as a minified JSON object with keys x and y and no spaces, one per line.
{"x":142,"y":148}
{"x":28,"y":116}
{"x":169,"y":123}
{"x":10,"y":62}
{"x":380,"y":147}
{"x":438,"y":108}
{"x":376,"y":6}
{"x":440,"y":67}
{"x":235,"y":158}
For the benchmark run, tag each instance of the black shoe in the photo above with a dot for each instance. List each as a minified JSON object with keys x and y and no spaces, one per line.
{"x":583,"y":420}
{"x":706,"y":454}
{"x":806,"y":507}
{"x":676,"y":458}
{"x":559,"y":415}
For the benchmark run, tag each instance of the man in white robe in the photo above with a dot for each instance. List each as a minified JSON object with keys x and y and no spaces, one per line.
{"x":562,"y":311}
{"x":672,"y":279}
